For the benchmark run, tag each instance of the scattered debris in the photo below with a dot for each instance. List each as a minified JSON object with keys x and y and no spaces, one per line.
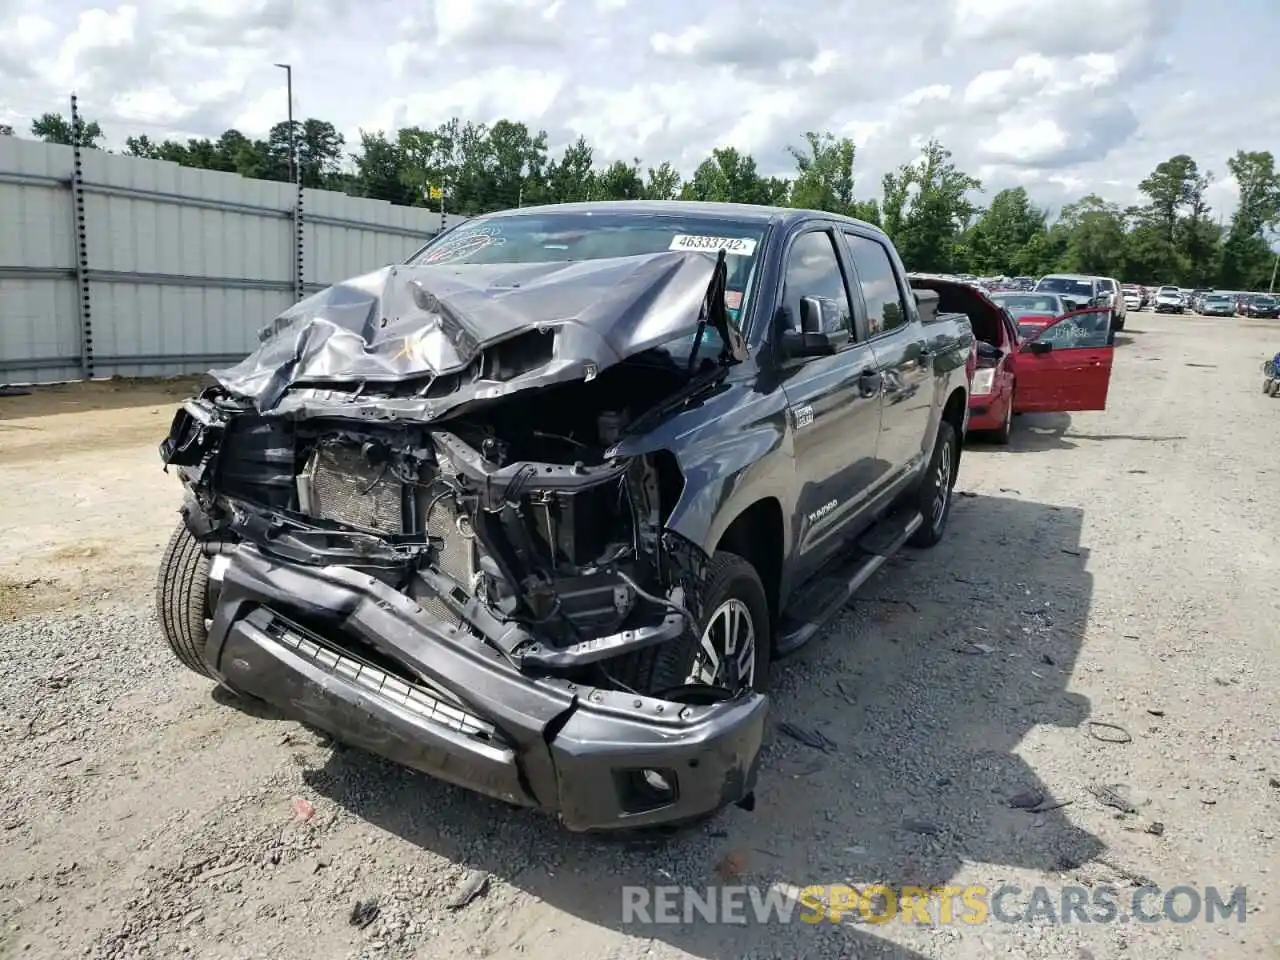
{"x":974,"y":648}
{"x":1050,"y":804}
{"x":810,"y":738}
{"x":1135,"y":878}
{"x":1274,"y":782}
{"x":364,"y":912}
{"x":732,"y":864}
{"x":1208,"y":801}
{"x":1045,"y":658}
{"x":904,"y":603}
{"x":924,"y":827}
{"x":1112,"y":797}
{"x":1109,"y":732}
{"x":1071,"y":553}
{"x":1026,"y":800}
{"x":302,"y":809}
{"x":1154,"y":712}
{"x":217,"y":872}
{"x":1136,"y":471}
{"x":1155,"y":828}
{"x":473,"y":885}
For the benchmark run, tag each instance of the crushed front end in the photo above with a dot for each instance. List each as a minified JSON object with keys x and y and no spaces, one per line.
{"x":472,"y":596}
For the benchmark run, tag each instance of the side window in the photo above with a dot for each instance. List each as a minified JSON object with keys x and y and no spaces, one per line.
{"x":879,"y":282}
{"x":813,"y":270}
{"x":1076,"y":331}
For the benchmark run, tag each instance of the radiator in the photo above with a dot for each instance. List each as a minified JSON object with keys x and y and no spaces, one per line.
{"x":341,"y":485}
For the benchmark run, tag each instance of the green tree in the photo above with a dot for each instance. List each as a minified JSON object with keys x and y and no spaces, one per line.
{"x":1247,"y":258}
{"x":55,"y":128}
{"x":728,"y":176}
{"x":1007,"y":238}
{"x":1095,"y":231}
{"x":663,"y":182}
{"x":926,"y":208}
{"x":621,"y":181}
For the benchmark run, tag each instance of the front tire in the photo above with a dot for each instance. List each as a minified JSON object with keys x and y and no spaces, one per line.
{"x":732,"y":648}
{"x":934,"y":497}
{"x":182,"y":598}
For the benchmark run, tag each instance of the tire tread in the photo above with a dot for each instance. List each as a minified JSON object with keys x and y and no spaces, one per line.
{"x":182,"y":591}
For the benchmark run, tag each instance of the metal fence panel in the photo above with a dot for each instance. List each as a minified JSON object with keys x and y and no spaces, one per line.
{"x":179,"y":268}
{"x":39,"y":322}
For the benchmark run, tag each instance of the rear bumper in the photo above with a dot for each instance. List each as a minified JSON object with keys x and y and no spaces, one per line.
{"x":986,"y":411}
{"x":573,"y":751}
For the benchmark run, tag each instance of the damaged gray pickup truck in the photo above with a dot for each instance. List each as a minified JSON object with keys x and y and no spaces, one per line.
{"x":534,"y":511}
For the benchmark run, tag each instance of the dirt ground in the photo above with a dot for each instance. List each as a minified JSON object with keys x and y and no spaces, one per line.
{"x":1116,"y":568}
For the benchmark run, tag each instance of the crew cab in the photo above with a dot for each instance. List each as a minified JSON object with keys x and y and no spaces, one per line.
{"x":1031,"y":359}
{"x":534,"y":511}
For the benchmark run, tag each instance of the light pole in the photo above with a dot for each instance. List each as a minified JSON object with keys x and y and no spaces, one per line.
{"x":293,"y":149}
{"x":1271,"y":288}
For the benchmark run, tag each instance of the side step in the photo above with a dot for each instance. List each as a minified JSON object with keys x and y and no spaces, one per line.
{"x":821,"y":600}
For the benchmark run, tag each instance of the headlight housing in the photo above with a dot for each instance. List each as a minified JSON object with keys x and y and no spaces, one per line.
{"x":984,"y":380}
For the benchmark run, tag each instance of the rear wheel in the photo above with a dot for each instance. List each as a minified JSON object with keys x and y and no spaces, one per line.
{"x":182,"y":598}
{"x":934,"y":496}
{"x":728,"y":653}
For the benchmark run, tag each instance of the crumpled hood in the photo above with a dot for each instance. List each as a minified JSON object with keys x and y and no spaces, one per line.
{"x":419,"y":321}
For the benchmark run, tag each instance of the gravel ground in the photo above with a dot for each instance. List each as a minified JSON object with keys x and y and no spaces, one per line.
{"x":1114,"y":568}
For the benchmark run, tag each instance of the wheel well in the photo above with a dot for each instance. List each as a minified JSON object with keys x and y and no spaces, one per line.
{"x":953,"y":413}
{"x":756,"y":536}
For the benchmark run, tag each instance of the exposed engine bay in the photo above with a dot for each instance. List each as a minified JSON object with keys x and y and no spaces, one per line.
{"x":510,"y":519}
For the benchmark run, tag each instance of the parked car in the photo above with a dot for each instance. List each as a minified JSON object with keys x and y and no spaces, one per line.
{"x":533,"y":511}
{"x":1218,"y":305}
{"x":1031,"y":312}
{"x":1133,"y":297}
{"x":1114,"y":299}
{"x":1263,"y":306}
{"x":1080,"y":291}
{"x":1169,"y":300}
{"x":1057,"y":363}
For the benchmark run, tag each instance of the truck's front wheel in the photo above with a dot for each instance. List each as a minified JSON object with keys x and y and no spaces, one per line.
{"x":728,"y":653}
{"x":182,"y":592}
{"x":934,"y":496}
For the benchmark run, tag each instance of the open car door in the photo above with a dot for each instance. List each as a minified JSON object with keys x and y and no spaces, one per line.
{"x":1067,"y":365}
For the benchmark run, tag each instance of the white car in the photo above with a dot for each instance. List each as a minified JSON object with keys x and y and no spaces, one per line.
{"x":1169,"y":300}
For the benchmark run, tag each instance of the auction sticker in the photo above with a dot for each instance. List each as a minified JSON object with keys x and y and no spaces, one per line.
{"x":736,"y":246}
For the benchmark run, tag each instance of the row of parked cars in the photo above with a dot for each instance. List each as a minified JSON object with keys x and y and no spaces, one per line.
{"x":1214,"y":303}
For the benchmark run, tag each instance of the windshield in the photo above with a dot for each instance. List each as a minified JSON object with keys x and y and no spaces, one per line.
{"x":1022,"y":303}
{"x":1170,"y":292}
{"x":1264,"y":301}
{"x":1216,"y":298}
{"x":1067,"y":285}
{"x":559,"y":237}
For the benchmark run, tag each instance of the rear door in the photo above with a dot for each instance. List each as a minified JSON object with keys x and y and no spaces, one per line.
{"x":1067,"y":366}
{"x":903,"y":362}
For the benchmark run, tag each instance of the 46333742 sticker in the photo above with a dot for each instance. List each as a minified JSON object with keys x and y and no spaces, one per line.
{"x":733,"y":246}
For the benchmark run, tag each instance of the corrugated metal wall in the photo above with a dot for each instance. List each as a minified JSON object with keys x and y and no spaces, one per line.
{"x":130,"y":267}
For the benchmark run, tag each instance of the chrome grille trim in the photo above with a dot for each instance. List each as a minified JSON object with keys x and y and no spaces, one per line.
{"x":377,"y":681}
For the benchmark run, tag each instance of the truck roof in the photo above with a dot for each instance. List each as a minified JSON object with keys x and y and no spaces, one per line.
{"x":749,"y":212}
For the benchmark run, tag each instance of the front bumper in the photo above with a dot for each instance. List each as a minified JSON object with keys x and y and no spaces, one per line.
{"x":577,"y":752}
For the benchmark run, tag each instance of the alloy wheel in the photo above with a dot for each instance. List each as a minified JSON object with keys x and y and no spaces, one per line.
{"x":726,"y":654}
{"x":942,"y":491}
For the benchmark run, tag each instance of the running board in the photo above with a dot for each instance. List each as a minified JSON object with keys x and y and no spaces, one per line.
{"x":827,"y":596}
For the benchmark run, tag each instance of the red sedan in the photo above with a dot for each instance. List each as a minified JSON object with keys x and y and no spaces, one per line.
{"x":1040,"y":362}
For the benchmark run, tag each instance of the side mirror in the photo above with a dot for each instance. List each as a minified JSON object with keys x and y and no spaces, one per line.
{"x":988,"y":351}
{"x":820,"y":333}
{"x":1039,"y":346}
{"x":927,"y":304}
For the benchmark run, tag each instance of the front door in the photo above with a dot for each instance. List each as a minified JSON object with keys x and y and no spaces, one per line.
{"x":835,"y":416}
{"x":902,"y":360}
{"x":1067,"y":366}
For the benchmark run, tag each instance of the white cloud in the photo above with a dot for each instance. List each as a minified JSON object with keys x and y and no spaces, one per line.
{"x":1060,"y":97}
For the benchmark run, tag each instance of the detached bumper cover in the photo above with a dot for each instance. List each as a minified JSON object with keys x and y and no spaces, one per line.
{"x":476,"y":721}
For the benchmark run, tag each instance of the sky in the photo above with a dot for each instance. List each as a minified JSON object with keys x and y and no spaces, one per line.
{"x":1061,"y":96}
